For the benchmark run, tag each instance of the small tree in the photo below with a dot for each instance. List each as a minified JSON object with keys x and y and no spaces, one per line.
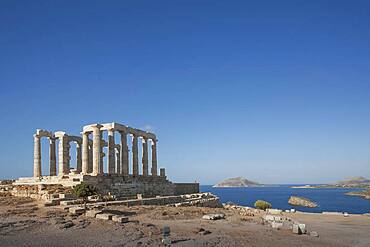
{"x":83,"y":191}
{"x":259,"y":204}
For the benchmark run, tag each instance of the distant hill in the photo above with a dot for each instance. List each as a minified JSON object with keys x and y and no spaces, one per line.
{"x":236,"y":182}
{"x":353,"y":181}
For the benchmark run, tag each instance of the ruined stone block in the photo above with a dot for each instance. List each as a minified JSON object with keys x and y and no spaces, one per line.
{"x":93,"y":213}
{"x":119,"y":218}
{"x":104,"y":216}
{"x":274,"y":211}
{"x":76,"y":210}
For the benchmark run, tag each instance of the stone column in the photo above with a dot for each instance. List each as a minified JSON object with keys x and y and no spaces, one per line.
{"x":85,"y":152}
{"x":118,"y":159}
{"x":90,"y":167}
{"x":96,"y":149}
{"x":36,"y":156}
{"x":63,"y":154}
{"x":135,"y":163}
{"x":79,"y":157}
{"x":52,"y":157}
{"x":124,"y":154}
{"x":145,"y":156}
{"x":111,"y":152}
{"x":162,"y":172}
{"x":102,"y":155}
{"x":154,"y":157}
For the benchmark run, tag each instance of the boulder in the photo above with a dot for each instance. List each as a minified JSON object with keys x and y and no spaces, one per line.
{"x":301,"y":201}
{"x":276,"y":225}
{"x":213,"y":216}
{"x":299,"y":229}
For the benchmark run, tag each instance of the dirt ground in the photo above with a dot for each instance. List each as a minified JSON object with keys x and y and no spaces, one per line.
{"x":25,"y":223}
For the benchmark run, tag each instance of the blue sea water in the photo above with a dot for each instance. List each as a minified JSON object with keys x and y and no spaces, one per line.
{"x":331,"y":199}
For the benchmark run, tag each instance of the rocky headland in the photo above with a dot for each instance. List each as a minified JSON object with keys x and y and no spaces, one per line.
{"x":351,"y":182}
{"x":365,"y":194}
{"x":236,"y":182}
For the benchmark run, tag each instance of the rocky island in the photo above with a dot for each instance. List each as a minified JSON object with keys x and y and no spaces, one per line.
{"x":301,"y":201}
{"x":236,"y":182}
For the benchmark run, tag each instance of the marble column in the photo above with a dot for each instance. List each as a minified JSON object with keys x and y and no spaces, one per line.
{"x":118,"y":159}
{"x":135,"y":163}
{"x":162,"y":172}
{"x":102,"y":155}
{"x":79,"y":157}
{"x":96,"y":149}
{"x":111,"y":152}
{"x":36,"y":156}
{"x":63,"y":154}
{"x":145,"y":156}
{"x":154,"y":157}
{"x":90,"y":163}
{"x":124,"y":154}
{"x":85,"y":152}
{"x":52,"y":157}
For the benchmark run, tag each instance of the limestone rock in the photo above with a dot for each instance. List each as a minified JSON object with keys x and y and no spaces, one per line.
{"x":301,"y":201}
{"x":213,"y":216}
{"x":299,"y":229}
{"x":276,"y":225}
{"x":314,"y":234}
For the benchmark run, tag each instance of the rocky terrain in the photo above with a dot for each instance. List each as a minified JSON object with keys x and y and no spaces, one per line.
{"x":25,"y":222}
{"x":236,"y":182}
{"x":301,"y":201}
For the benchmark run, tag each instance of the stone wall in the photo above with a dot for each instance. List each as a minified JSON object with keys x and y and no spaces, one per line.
{"x":117,"y":185}
{"x":186,"y":188}
{"x":129,"y":186}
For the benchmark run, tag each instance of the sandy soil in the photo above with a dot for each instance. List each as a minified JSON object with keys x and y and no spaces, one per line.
{"x":25,"y":223}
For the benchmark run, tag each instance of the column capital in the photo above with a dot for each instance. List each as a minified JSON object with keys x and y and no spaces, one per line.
{"x":111,"y":131}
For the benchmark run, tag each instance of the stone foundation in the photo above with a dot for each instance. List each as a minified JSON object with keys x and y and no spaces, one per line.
{"x":119,"y":186}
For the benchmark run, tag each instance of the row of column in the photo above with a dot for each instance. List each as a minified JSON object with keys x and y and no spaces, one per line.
{"x":90,"y":156}
{"x":63,"y":156}
{"x":116,"y":165}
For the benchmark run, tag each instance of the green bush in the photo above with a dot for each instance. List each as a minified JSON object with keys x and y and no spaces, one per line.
{"x":83,"y":191}
{"x":259,"y":204}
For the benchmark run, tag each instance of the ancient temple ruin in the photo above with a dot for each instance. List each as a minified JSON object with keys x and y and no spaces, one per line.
{"x":114,"y":176}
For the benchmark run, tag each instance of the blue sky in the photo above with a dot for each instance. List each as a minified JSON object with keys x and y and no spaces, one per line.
{"x":276,"y":91}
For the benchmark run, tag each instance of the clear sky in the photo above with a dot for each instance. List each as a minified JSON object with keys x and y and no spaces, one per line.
{"x":276,"y":91}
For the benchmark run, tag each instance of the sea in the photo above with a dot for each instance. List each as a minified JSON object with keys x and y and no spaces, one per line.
{"x":328,"y":199}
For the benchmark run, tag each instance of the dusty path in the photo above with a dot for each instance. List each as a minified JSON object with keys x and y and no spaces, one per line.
{"x":24,"y":223}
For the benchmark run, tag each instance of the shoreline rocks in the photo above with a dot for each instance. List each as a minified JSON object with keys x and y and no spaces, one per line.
{"x":301,"y":201}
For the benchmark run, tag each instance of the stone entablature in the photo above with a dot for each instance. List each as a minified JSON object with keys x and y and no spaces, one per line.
{"x":90,"y":153}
